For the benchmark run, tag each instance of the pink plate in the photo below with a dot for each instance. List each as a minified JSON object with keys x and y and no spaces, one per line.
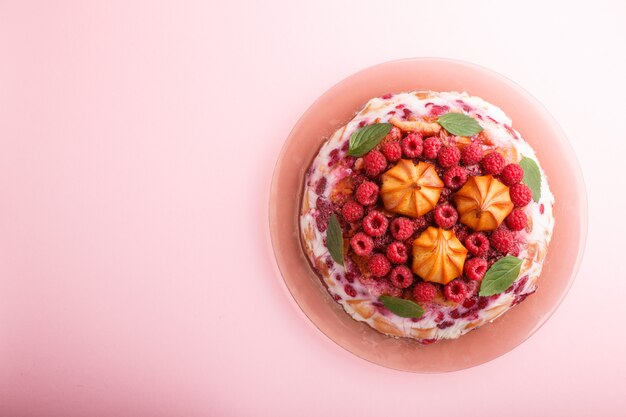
{"x":530,"y":118}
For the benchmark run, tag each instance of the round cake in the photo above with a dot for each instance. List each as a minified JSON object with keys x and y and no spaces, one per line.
{"x":427,"y":215}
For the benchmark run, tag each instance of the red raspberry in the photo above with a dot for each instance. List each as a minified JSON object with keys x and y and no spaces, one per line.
{"x":397,"y":253}
{"x":402,"y":228}
{"x":455,"y":290}
{"x":517,"y":220}
{"x":401,"y":276}
{"x":446,"y":216}
{"x":367,"y":193}
{"x":392,"y":151}
{"x":445,"y":195}
{"x":349,"y":289}
{"x":412,"y":145}
{"x":449,"y":156}
{"x":472,"y":154}
{"x":512,"y":174}
{"x":381,"y":242}
{"x":375,"y":163}
{"x":431,"y":147}
{"x":475,"y":268}
{"x":362,"y":244}
{"x":394,"y":134}
{"x":375,"y":223}
{"x":424,"y":292}
{"x":477,"y":244}
{"x":352,"y":211}
{"x":384,"y":287}
{"x":469,"y":302}
{"x":379,"y":265}
{"x":460,"y":231}
{"x":520,"y":194}
{"x":321,"y":186}
{"x":493,"y":163}
{"x":455,"y":177}
{"x":420,"y":223}
{"x":501,"y":240}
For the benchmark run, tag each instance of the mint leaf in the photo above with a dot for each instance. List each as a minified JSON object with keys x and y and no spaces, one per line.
{"x":401,"y":307}
{"x":500,"y":276}
{"x":532,"y":176}
{"x":459,"y":124}
{"x":365,"y":139}
{"x":334,"y":239}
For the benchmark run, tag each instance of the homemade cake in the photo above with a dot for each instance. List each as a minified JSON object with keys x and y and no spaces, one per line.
{"x":427,"y":215}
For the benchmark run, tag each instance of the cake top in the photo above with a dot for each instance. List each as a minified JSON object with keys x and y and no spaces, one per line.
{"x":426,"y":206}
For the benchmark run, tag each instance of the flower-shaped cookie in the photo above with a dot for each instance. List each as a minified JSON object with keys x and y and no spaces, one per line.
{"x":483,"y":203}
{"x":438,"y":256}
{"x":409,"y":189}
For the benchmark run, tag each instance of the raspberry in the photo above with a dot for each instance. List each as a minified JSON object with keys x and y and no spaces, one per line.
{"x":362,"y":244}
{"x":477,"y":244}
{"x":392,"y":151}
{"x":397,"y":253}
{"x":461,"y":232}
{"x":379,"y":265}
{"x":384,"y":287}
{"x":449,"y":156}
{"x":394,"y":134}
{"x":472,"y":154}
{"x":381,"y":242}
{"x":352,"y":211}
{"x":446,"y":216}
{"x":402,"y":228}
{"x":367,"y":193}
{"x":469,"y":302}
{"x":321,"y":186}
{"x":501,"y":240}
{"x":349,"y":289}
{"x":412,"y":145}
{"x":375,"y":163}
{"x":401,"y":276}
{"x":375,"y":223}
{"x":445,"y":195}
{"x":455,"y":177}
{"x":475,"y":269}
{"x":474,"y":170}
{"x":445,"y":324}
{"x":520,"y":194}
{"x":517,"y":220}
{"x":493,"y":163}
{"x":334,"y":157}
{"x":436,"y":110}
{"x":420,"y":223}
{"x":431,"y":147}
{"x":424,"y":292}
{"x":455,"y":290}
{"x":512,"y":174}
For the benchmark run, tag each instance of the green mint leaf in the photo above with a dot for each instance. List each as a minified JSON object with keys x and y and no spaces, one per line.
{"x":532,"y":176}
{"x":401,"y":307}
{"x":334,"y":239}
{"x":365,"y":139}
{"x":500,"y":276}
{"x":459,"y":124}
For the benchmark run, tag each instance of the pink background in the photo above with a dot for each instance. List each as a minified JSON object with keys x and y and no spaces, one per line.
{"x":137,"y":146}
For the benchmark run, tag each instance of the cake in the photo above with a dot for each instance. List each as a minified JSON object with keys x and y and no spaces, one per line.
{"x":427,"y":215}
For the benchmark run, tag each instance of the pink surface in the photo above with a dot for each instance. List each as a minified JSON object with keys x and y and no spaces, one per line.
{"x":138,"y":142}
